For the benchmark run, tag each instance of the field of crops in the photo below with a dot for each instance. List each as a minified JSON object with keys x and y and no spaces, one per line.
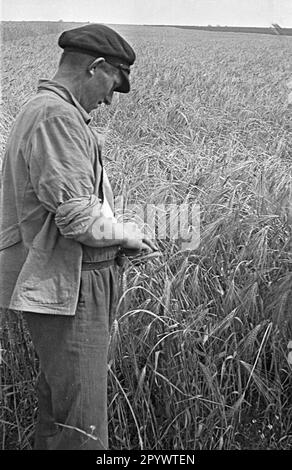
{"x":198,"y":353}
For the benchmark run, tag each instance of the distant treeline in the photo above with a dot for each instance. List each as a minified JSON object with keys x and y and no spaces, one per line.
{"x":276,"y":29}
{"x":15,"y":30}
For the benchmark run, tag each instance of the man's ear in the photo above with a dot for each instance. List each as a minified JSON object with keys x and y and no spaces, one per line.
{"x":91,"y":67}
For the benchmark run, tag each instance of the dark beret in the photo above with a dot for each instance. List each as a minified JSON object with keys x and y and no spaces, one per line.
{"x":99,"y":40}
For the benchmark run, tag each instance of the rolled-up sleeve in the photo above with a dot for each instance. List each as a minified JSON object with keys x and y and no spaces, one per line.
{"x":63,"y":177}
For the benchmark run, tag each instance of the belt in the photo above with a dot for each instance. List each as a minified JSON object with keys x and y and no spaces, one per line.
{"x":91,"y":265}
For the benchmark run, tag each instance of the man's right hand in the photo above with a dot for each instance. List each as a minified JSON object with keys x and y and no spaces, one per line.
{"x":134,"y":241}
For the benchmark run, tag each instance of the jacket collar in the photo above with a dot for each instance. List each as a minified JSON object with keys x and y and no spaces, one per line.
{"x":64,"y":93}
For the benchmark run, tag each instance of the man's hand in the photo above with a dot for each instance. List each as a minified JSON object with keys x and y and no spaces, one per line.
{"x":147,"y":246}
{"x":135,"y":245}
{"x":134,"y":241}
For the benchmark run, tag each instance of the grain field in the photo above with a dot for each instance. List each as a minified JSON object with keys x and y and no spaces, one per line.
{"x":198,"y":352}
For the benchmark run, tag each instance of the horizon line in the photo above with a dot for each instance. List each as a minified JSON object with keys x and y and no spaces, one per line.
{"x":270,"y":25}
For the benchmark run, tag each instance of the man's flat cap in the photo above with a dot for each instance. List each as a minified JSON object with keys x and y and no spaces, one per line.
{"x":99,"y":40}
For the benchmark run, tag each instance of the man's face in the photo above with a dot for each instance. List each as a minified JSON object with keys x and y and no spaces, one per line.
{"x":103,"y":81}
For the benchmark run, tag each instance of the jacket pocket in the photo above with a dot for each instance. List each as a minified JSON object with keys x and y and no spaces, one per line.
{"x":44,"y":278}
{"x":10,"y":236}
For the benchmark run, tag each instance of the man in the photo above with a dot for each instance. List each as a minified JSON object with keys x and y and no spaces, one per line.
{"x":59,"y":240}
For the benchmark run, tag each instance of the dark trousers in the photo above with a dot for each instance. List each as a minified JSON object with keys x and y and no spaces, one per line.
{"x":72,"y":386}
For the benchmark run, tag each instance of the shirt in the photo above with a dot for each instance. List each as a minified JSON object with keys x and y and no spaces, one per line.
{"x":53,"y":188}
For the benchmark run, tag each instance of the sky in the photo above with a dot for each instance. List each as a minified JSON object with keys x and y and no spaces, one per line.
{"x":184,"y":12}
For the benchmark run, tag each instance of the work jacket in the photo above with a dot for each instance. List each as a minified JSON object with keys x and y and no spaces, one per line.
{"x":53,"y":187}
